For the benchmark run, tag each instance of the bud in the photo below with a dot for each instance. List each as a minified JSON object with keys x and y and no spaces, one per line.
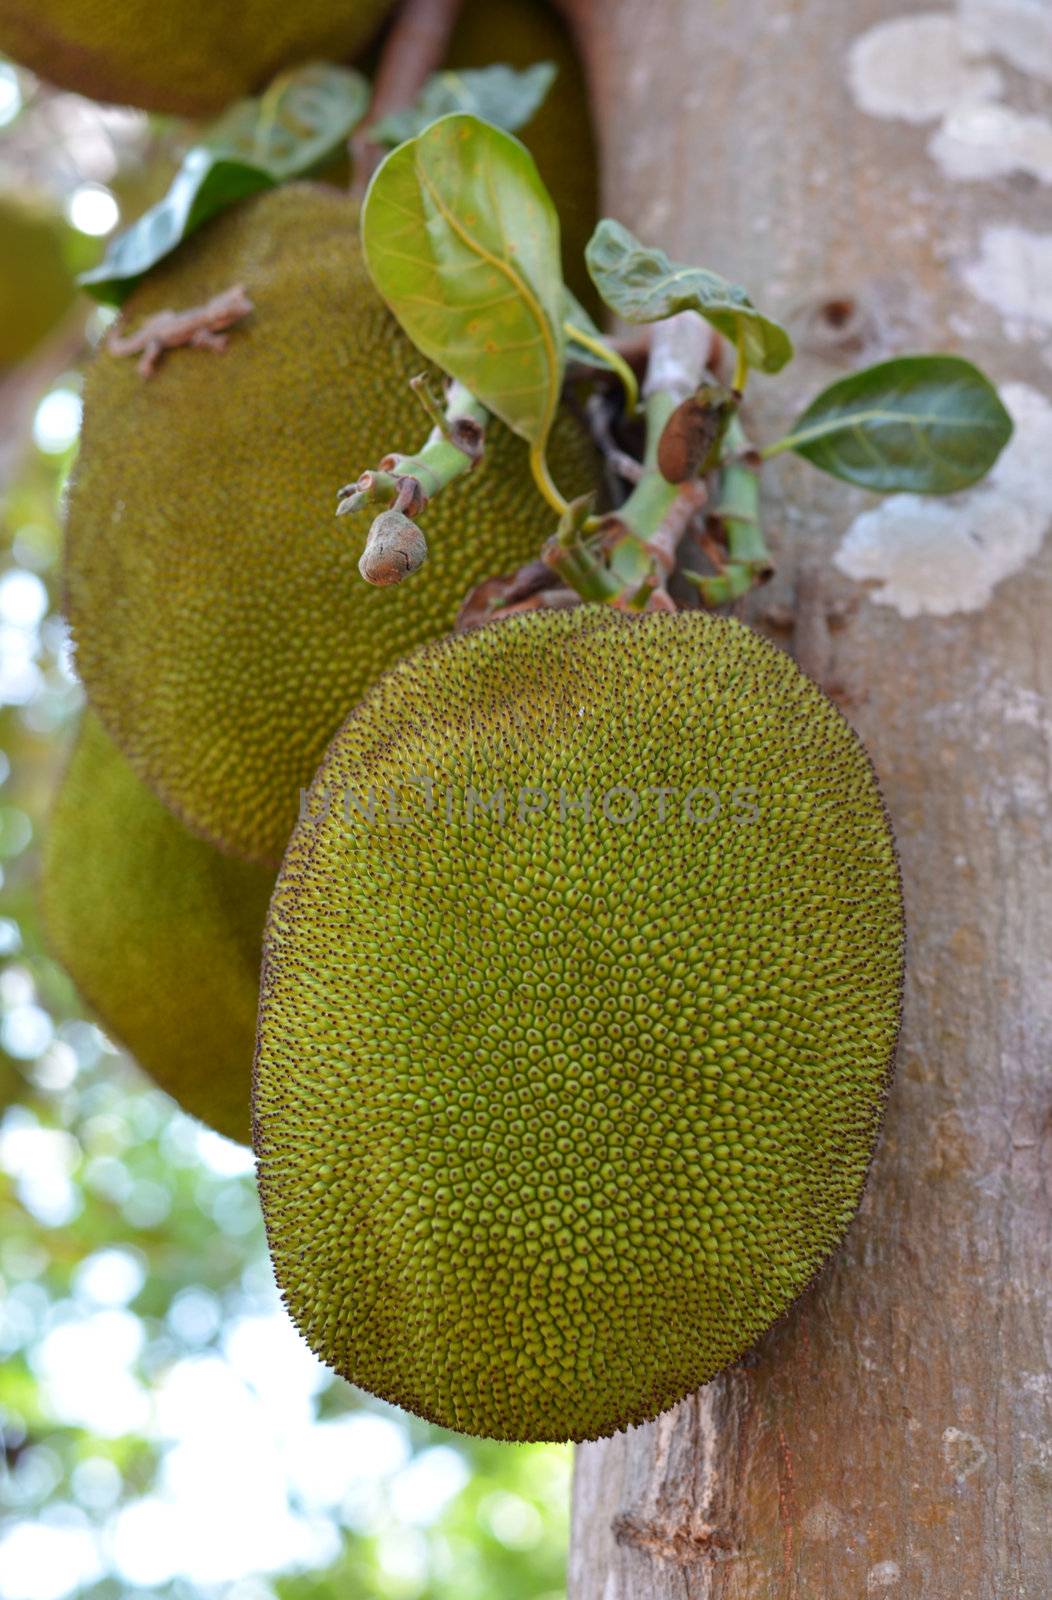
{"x":395,"y":548}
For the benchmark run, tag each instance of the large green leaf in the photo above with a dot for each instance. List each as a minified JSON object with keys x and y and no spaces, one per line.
{"x":462,"y":241}
{"x":304,"y":117}
{"x":643,"y":285}
{"x":499,"y":94}
{"x":930,"y":424}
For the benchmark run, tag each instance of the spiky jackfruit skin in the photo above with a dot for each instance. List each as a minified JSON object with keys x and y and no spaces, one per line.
{"x":192,"y":57}
{"x":36,"y":284}
{"x":221,"y":627}
{"x":560,"y":135}
{"x":160,"y":933}
{"x":555,"y":1116}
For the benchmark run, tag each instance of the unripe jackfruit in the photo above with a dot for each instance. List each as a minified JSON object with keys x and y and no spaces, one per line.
{"x":192,"y":57}
{"x":160,"y":933}
{"x":221,"y":627}
{"x":558,"y":1105}
{"x":36,"y":284}
{"x":559,"y":135}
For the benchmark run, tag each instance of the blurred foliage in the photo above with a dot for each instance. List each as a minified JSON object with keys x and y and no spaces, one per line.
{"x":164,"y":1431}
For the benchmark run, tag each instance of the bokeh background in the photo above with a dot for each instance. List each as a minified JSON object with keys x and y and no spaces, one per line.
{"x":165,"y":1431}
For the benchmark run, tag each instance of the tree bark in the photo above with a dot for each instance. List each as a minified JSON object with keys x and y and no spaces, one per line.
{"x":893,"y":1435}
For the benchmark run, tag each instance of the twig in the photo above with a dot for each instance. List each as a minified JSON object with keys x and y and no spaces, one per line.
{"x":667,"y":536}
{"x":557,"y":599}
{"x":534,"y":587}
{"x":453,"y":447}
{"x":631,"y":561}
{"x":681,"y":351}
{"x":413,"y":49}
{"x":738,"y":512}
{"x":403,"y":485}
{"x":739,"y":505}
{"x":711,"y":547}
{"x":599,"y":419}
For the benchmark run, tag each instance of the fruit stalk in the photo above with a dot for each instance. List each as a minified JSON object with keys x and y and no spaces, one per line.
{"x":453,"y":447}
{"x":738,"y":509}
{"x":403,"y":485}
{"x":642,"y":538}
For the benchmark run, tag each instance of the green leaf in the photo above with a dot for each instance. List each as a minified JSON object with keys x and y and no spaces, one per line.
{"x":203,"y":185}
{"x":498,"y":94}
{"x":930,"y":424}
{"x":643,"y":285}
{"x":462,"y":241}
{"x":301,"y":120}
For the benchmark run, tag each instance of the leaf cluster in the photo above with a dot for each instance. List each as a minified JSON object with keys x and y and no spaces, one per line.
{"x":461,"y":238}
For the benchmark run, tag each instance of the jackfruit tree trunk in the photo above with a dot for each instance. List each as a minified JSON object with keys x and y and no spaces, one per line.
{"x":893,"y":1436}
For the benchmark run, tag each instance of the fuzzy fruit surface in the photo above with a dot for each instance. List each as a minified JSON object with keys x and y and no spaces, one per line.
{"x":36,"y":283}
{"x":220,"y":625}
{"x":188,"y":56}
{"x":160,"y":933}
{"x":558,"y":1106}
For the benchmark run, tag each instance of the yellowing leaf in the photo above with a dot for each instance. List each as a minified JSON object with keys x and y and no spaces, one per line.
{"x":462,"y":241}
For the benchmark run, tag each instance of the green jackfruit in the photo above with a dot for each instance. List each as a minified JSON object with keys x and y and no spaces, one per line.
{"x":36,"y":284}
{"x":221,"y":628}
{"x":561,"y":1100}
{"x":160,"y":933}
{"x":192,"y":57}
{"x":559,"y":135}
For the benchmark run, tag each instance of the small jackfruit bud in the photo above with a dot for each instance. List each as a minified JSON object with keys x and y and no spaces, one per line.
{"x":395,"y":548}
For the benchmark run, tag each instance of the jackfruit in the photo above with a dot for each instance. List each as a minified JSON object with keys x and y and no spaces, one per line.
{"x":580,"y":993}
{"x":221,"y":628}
{"x":188,"y":56}
{"x":559,"y":135}
{"x":36,"y":284}
{"x":160,"y":933}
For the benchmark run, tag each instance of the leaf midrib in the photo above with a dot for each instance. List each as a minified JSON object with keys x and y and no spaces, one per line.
{"x":853,"y":420}
{"x":519,"y":283}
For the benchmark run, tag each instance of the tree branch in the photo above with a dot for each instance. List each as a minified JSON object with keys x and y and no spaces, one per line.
{"x":414,"y":48}
{"x":889,"y":1437}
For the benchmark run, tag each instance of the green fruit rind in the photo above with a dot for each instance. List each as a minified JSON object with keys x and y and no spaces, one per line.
{"x":555,"y":1116}
{"x":220,"y":625}
{"x":160,"y":933}
{"x":192,"y":57}
{"x":36,"y":283}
